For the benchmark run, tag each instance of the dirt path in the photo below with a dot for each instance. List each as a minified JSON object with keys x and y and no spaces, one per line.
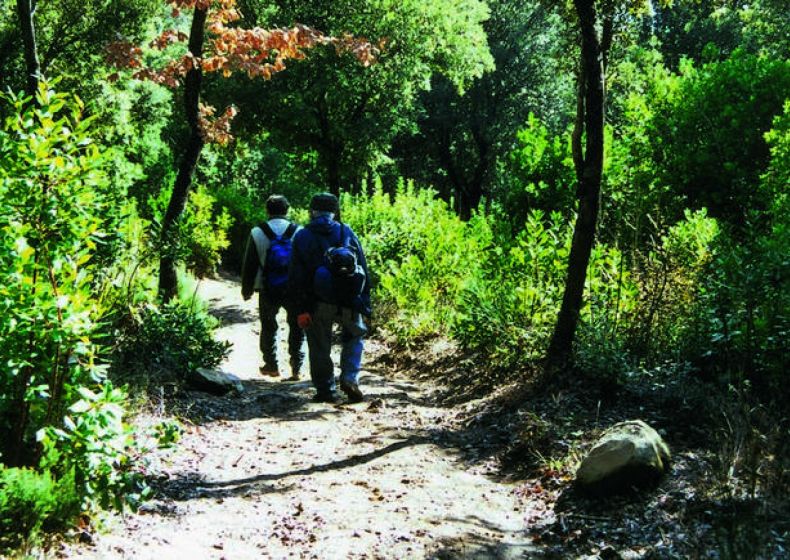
{"x":269,"y":474}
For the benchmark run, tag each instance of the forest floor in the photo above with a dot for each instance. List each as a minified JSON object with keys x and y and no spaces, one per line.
{"x":426,"y":467}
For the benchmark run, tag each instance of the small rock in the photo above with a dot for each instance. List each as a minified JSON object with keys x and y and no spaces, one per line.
{"x":629,"y":454}
{"x":214,"y":381}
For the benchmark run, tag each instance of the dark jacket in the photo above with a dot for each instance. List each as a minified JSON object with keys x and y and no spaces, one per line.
{"x":309,"y":245}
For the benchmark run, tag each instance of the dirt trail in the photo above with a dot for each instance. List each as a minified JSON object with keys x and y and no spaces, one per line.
{"x":269,"y":474}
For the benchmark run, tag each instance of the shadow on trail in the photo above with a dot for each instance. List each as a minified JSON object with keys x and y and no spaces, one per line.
{"x":201,"y":488}
{"x":483,"y":540}
{"x":281,"y":400}
{"x":286,"y":401}
{"x":233,"y":314}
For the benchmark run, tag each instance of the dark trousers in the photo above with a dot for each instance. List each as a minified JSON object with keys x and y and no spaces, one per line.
{"x":319,"y":342}
{"x":268,"y":307}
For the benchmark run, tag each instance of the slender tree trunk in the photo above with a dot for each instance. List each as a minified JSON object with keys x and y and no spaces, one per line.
{"x":26,"y":9}
{"x":168,"y":280}
{"x":19,"y":414}
{"x":589,"y":178}
{"x":333,"y":175}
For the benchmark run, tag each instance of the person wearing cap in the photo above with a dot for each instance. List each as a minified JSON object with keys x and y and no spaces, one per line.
{"x":271,"y":297}
{"x":318,"y":311}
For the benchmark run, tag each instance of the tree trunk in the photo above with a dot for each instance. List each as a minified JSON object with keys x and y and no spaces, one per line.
{"x":26,"y":10}
{"x":333,"y":175}
{"x":168,"y":281}
{"x":19,"y":415}
{"x":589,"y":178}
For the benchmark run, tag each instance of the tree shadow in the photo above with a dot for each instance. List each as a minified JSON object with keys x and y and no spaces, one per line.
{"x":191,"y":485}
{"x":233,"y":314}
{"x":480,"y":542}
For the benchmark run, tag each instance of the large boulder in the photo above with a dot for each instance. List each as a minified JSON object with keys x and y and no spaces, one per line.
{"x":214,"y":381}
{"x":627,"y":455}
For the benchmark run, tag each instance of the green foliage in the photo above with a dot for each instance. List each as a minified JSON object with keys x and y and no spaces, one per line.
{"x":71,"y":36}
{"x":668,"y":275}
{"x":100,"y":449}
{"x":463,"y":137}
{"x":331,"y":106}
{"x":55,"y":402}
{"x":709,"y":138}
{"x":742,"y":326}
{"x":31,"y":500}
{"x":170,"y":340}
{"x":509,"y":310}
{"x":540,"y":174}
{"x":201,"y":233}
{"x":421,"y":253}
{"x":204,"y":232}
{"x":51,"y":179}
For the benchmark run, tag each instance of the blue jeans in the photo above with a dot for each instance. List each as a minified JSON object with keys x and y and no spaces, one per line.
{"x":319,"y":343}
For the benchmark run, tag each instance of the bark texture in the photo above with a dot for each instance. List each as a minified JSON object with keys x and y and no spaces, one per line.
{"x":589,"y":168}
{"x":26,"y":9}
{"x":168,"y":280}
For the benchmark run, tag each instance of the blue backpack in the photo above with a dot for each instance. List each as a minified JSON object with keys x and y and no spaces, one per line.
{"x":340,"y":279}
{"x":278,"y":259}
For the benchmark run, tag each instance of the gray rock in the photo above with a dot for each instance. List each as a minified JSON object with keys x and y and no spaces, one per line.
{"x":628,"y":454}
{"x":214,"y":381}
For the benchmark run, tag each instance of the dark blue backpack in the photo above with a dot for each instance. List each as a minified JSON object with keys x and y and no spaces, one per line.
{"x":340,"y":279}
{"x":278,"y":259}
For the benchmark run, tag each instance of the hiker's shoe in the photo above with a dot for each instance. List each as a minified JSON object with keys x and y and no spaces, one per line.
{"x":266,"y":372}
{"x":331,"y":398}
{"x":352,"y":391}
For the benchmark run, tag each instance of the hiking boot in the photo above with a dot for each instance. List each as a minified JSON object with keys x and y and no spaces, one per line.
{"x":266,"y":372}
{"x":331,"y":398}
{"x":352,"y":391}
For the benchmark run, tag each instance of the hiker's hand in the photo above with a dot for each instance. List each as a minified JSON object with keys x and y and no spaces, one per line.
{"x":304,"y":320}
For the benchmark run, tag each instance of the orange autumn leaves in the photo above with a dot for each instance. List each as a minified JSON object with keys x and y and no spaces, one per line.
{"x":256,"y":52}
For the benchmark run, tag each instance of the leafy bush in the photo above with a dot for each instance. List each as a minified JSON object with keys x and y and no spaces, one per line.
{"x":51,"y":177}
{"x":55,"y":403}
{"x":708,"y":138}
{"x":669,"y":276}
{"x":419,"y":253}
{"x":98,"y":447}
{"x":539,"y":176}
{"x":201,"y":233}
{"x":168,"y":340}
{"x":31,"y":500}
{"x":509,"y":310}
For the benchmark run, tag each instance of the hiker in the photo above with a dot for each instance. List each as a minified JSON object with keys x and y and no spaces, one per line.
{"x":329,"y":284}
{"x":265,"y":270}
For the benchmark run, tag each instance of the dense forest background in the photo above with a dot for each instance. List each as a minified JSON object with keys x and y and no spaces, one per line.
{"x":589,"y":193}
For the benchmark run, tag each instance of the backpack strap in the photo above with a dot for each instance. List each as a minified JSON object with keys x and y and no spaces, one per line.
{"x":289,"y":231}
{"x":268,"y":231}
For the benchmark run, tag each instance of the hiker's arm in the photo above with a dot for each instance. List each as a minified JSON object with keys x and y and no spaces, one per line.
{"x":249,"y":269}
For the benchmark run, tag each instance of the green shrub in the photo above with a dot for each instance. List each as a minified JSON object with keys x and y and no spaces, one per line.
{"x":539,"y":175}
{"x":419,"y":254}
{"x":508,"y":310}
{"x":98,"y":447}
{"x":669,"y":276}
{"x":51,"y":179}
{"x":31,"y":500}
{"x":708,"y":138}
{"x":167,"y":340}
{"x":201,"y":234}
{"x":57,"y":410}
